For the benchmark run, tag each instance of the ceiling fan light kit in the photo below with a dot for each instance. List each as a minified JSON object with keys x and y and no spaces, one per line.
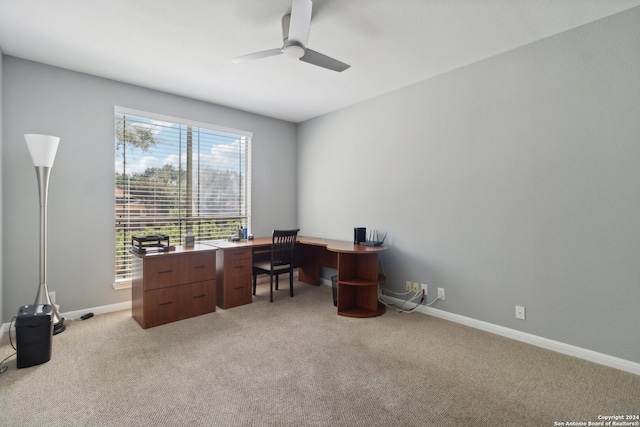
{"x":295,"y":33}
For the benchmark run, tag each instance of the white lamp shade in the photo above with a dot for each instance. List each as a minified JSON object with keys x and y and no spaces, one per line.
{"x":43,"y":148}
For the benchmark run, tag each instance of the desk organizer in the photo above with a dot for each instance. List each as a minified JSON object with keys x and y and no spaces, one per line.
{"x":144,"y":243}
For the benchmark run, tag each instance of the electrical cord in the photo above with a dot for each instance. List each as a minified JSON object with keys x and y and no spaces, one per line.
{"x":381,"y":295}
{"x":382,"y":290}
{"x":2,"y":366}
{"x":402,"y":308}
{"x":433,"y":302}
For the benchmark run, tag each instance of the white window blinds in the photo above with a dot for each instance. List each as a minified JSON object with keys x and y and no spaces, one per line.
{"x":174,"y":178}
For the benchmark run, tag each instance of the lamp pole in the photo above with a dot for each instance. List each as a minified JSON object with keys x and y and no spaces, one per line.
{"x":43,"y":149}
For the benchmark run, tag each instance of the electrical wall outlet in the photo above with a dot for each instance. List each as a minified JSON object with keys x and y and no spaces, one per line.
{"x":519,"y":312}
{"x":52,"y":297}
{"x":441,"y":293}
{"x":416,"y":287}
{"x":423,"y":287}
{"x":408,"y":286}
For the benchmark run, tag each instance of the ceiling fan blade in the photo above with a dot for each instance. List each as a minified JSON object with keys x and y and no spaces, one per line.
{"x":257,"y":55}
{"x":300,"y":21}
{"x":316,"y":58}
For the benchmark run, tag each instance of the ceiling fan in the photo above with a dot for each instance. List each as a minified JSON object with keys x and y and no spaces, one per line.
{"x":295,"y":33}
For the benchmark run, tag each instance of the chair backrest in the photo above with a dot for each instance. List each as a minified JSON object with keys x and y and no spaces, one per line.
{"x":283,"y":244}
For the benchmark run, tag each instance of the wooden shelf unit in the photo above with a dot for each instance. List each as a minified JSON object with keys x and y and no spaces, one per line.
{"x":358,"y":281}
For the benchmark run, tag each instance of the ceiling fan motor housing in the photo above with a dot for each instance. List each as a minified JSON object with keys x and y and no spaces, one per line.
{"x":293,"y":50}
{"x":295,"y":34}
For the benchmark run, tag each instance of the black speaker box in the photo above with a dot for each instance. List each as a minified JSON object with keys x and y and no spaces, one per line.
{"x":34,"y":334}
{"x":359,"y":235}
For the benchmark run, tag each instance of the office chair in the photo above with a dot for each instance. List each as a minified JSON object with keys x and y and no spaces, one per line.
{"x":283,"y":244}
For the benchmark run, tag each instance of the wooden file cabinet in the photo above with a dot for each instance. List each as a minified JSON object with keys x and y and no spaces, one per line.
{"x":173,"y":286}
{"x":234,"y":276}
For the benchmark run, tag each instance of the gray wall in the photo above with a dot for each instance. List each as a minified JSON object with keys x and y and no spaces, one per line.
{"x":510,"y":181}
{"x":1,"y":201}
{"x":79,"y":109}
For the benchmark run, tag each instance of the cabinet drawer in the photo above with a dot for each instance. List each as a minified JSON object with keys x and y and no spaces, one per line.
{"x":237,"y":291}
{"x":198,"y":298}
{"x":160,"y":272}
{"x":197,"y":267}
{"x":238,"y":253}
{"x":161,"y":306}
{"x":237,"y":267}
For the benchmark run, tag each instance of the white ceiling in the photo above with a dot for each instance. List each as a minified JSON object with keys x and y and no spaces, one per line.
{"x":185,"y":46}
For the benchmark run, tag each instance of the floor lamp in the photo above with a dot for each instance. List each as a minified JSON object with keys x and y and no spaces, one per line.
{"x":43,"y":150}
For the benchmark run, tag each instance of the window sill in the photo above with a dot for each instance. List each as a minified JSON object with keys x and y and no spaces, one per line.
{"x":122,"y":285}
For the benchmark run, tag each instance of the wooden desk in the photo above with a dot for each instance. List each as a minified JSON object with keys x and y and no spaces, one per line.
{"x":357,"y":267}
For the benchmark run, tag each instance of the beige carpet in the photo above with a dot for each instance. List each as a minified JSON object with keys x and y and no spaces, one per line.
{"x":296,"y":363}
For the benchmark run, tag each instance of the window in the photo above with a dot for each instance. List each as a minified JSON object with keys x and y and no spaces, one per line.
{"x":174,"y":177}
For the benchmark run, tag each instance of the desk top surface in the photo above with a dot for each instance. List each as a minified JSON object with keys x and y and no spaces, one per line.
{"x":341,"y":246}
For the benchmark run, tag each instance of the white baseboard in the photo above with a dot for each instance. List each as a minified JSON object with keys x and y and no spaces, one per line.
{"x":326,"y":282}
{"x":557,"y":346}
{"x":76,"y":314}
{"x":3,"y":328}
{"x":97,"y":310}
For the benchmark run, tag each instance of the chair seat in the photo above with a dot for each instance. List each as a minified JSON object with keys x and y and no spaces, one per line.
{"x":266,"y":266}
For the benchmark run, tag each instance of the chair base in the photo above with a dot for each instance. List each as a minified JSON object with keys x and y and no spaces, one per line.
{"x":277,"y":276}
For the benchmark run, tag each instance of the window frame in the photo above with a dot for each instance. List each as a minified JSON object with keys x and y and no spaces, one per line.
{"x":245,"y":136}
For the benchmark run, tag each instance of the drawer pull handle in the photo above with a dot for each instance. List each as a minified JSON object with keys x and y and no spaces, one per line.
{"x":199,"y":296}
{"x":165,"y":303}
{"x":238,"y":287}
{"x":199,"y":266}
{"x":238,"y":267}
{"x":165,"y":271}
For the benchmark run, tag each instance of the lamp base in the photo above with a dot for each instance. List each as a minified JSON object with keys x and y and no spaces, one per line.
{"x":59,"y":327}
{"x":43,"y":298}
